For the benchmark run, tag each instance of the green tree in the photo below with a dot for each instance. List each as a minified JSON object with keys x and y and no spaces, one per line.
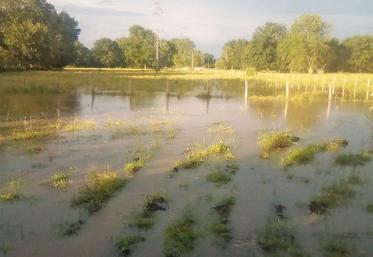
{"x":262,"y":52}
{"x":83,"y":56}
{"x":107,"y":53}
{"x":209,"y":60}
{"x":234,"y":54}
{"x":184,"y":52}
{"x":359,"y":53}
{"x":306,"y":46}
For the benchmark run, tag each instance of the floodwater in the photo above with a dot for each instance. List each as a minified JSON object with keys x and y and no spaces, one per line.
{"x":29,"y":227}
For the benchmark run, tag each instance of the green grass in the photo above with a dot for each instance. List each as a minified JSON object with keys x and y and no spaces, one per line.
{"x":79,"y":124}
{"x":181,"y":237}
{"x":133,"y":167}
{"x":195,"y":157}
{"x":369,"y":208}
{"x":60,"y":180}
{"x":278,"y":239}
{"x":127,"y":244}
{"x":153,"y":203}
{"x":219,"y":177}
{"x":353,"y":159}
{"x":274,"y":141}
{"x":301,"y":156}
{"x":221,"y":228}
{"x":335,"y":195}
{"x":99,"y":188}
{"x":337,"y":246}
{"x":11,"y":192}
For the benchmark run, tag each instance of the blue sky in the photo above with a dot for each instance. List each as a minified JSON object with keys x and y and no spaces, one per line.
{"x":211,"y":23}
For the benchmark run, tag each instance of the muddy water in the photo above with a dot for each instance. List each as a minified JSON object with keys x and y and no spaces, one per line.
{"x":30,"y":226}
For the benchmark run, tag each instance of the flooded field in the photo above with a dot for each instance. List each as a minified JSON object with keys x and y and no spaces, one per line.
{"x":105,"y":165}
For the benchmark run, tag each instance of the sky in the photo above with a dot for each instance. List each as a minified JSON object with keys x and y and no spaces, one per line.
{"x":210,"y":23}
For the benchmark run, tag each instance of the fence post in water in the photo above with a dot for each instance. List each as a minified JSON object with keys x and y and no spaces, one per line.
{"x":330,"y":93}
{"x":287,"y":91}
{"x":334,"y":80}
{"x":355,"y":84}
{"x":368,"y":86}
{"x":129,"y":87}
{"x":246,"y":89}
{"x":323,"y":83}
{"x":167,"y":87}
{"x":343,"y":87}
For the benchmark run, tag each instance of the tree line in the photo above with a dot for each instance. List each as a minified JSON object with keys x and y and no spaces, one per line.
{"x":306,"y":47}
{"x":33,"y":35}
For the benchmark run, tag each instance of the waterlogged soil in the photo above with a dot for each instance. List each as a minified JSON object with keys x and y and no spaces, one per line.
{"x":31,"y":226}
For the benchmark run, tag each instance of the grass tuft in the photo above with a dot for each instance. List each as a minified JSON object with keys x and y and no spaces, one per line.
{"x":100,"y":187}
{"x":180,"y":237}
{"x":11,"y":193}
{"x":195,"y":157}
{"x":336,"y":246}
{"x":275,"y":141}
{"x":353,"y":159}
{"x":219,"y":177}
{"x":60,"y":180}
{"x":127,"y":244}
{"x":306,"y":155}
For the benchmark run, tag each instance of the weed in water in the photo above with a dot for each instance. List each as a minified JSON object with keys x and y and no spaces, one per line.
{"x":180,"y":237}
{"x":153,"y":203}
{"x":132,"y":167}
{"x":78,"y":124}
{"x":100,"y":187}
{"x":278,"y":239}
{"x":127,"y":244}
{"x":219,"y":177}
{"x":195,"y":157}
{"x":307,"y":154}
{"x":335,"y":195}
{"x":370,"y":208}
{"x":353,"y":159}
{"x":60,"y":180}
{"x":275,"y":141}
{"x":336,"y":246}
{"x":11,"y":192}
{"x":71,"y":228}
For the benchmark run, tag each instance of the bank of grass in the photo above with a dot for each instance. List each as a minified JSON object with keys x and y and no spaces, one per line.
{"x":335,"y":195}
{"x":196,"y":157}
{"x":278,"y":239}
{"x":11,"y":192}
{"x":353,"y":159}
{"x":154,"y":202}
{"x":99,"y":188}
{"x":181,"y":236}
{"x":307,"y":154}
{"x":275,"y":141}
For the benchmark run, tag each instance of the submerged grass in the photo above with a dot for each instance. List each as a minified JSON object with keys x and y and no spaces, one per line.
{"x":100,"y":187}
{"x":181,"y":236}
{"x":71,"y":228}
{"x":337,"y":246}
{"x":278,"y":239}
{"x":219,"y":177}
{"x":275,"y":141}
{"x":335,"y":195}
{"x":78,"y":124}
{"x":127,"y":244}
{"x":353,"y":159}
{"x":153,"y":203}
{"x":307,"y":154}
{"x":60,"y":180}
{"x":11,"y":192}
{"x":221,"y":228}
{"x":195,"y":157}
{"x":369,"y":207}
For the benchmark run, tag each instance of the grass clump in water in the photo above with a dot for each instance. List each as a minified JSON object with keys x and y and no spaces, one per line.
{"x":11,"y":193}
{"x":219,"y":177}
{"x":278,"y":239}
{"x":72,"y":228}
{"x":221,"y":228}
{"x":335,"y":195}
{"x":307,"y":154}
{"x":78,"y":124}
{"x":275,"y":141}
{"x":100,"y":187}
{"x":127,"y":244}
{"x":370,"y":208}
{"x":60,"y":180}
{"x":337,"y":246}
{"x":195,"y":158}
{"x":134,"y":166}
{"x":353,"y":159}
{"x":180,"y":237}
{"x":153,"y":203}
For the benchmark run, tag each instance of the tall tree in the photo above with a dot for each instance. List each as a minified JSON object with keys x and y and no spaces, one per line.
{"x":262,"y":52}
{"x":306,"y":46}
{"x":107,"y":53}
{"x":234,"y":54}
{"x":83,"y":56}
{"x":359,"y":53}
{"x":185,"y":49}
